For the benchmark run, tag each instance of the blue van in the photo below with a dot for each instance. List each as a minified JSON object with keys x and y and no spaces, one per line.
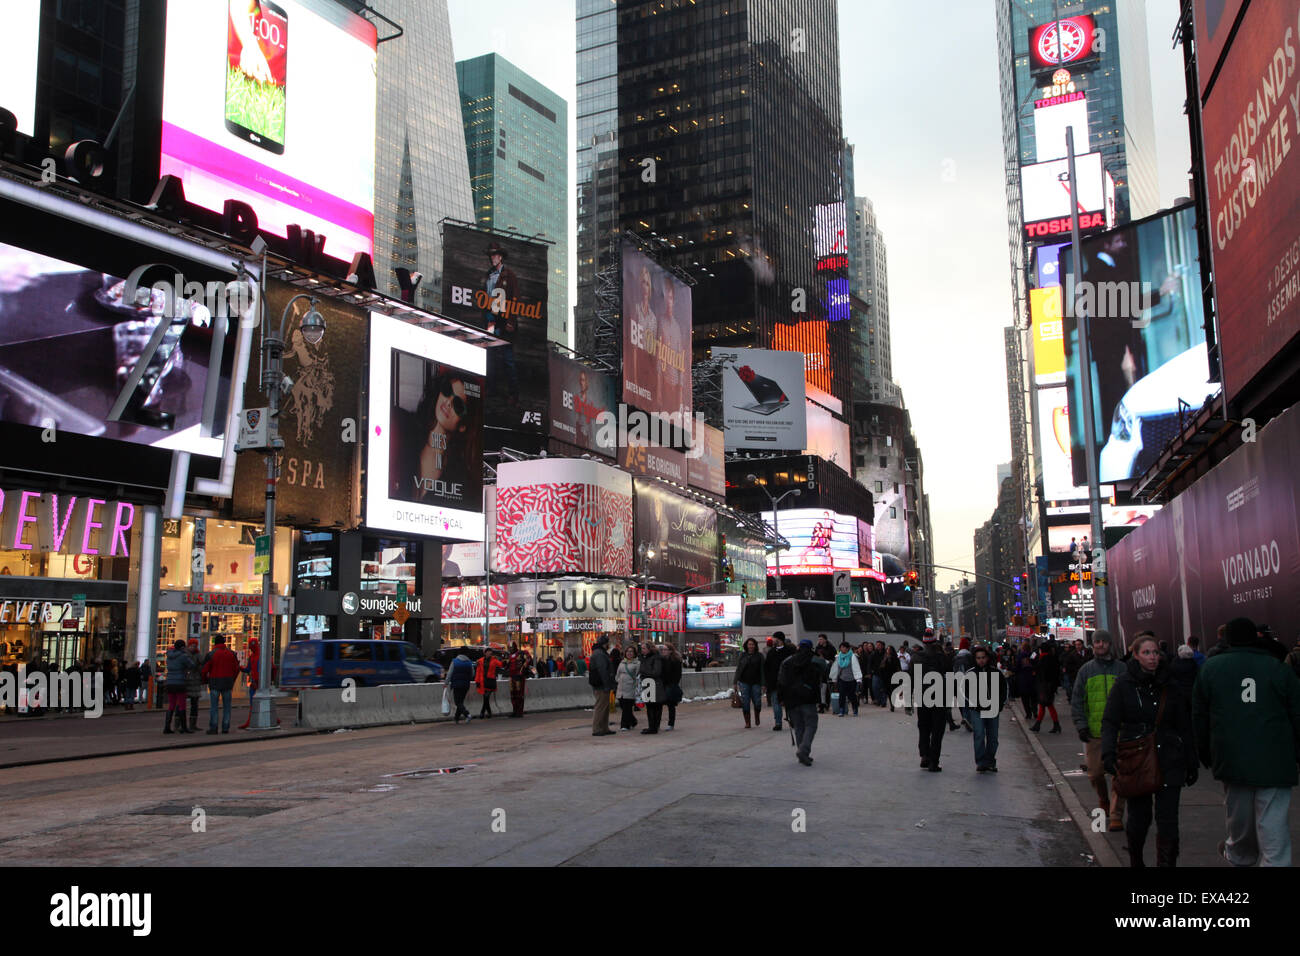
{"x":368,"y":662}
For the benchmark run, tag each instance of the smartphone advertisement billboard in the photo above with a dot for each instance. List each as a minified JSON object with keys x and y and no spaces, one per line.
{"x":273,"y":104}
{"x":1142,"y":288}
{"x":763,"y":399}
{"x":656,"y":336}
{"x":424,"y":450}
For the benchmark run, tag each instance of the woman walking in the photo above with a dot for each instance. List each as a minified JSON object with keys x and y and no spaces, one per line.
{"x":672,"y":681}
{"x":749,"y":680}
{"x":652,"y":670}
{"x":1026,"y":686}
{"x":845,"y":673}
{"x":892,"y":666}
{"x":1145,"y":699}
{"x":485,"y":679}
{"x":1047,"y":678}
{"x":626,"y":675}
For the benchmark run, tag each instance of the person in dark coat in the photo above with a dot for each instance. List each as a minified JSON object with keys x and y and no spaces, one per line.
{"x":1026,"y":685}
{"x":1134,"y":709}
{"x":781,"y":649}
{"x":1047,"y":678}
{"x":519,"y":668}
{"x":930,"y":721}
{"x":132,"y":684}
{"x":672,"y":681}
{"x":826,"y":651}
{"x":889,"y":667}
{"x":749,"y":680}
{"x":601,"y":679}
{"x":1183,"y":669}
{"x":193,"y":682}
{"x":178,"y":662}
{"x":652,"y":670}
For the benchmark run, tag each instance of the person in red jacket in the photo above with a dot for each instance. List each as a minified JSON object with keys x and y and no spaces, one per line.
{"x":485,"y":679}
{"x":220,"y":668}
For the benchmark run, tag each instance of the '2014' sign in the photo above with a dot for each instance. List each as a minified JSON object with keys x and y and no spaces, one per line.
{"x":71,"y":524}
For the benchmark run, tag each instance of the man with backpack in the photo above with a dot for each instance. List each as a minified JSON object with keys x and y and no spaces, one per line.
{"x":799,"y":681}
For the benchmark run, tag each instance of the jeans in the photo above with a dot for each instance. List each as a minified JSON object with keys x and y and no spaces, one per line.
{"x":848,"y":690}
{"x":986,"y":738}
{"x":654,"y":714}
{"x":751,"y":693}
{"x":1139,"y":817}
{"x":224,"y":696}
{"x":774,"y":699}
{"x":878,"y":689}
{"x":1257,"y":825}
{"x":803,"y":720}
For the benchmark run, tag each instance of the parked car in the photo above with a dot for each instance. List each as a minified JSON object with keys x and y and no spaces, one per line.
{"x":368,"y":662}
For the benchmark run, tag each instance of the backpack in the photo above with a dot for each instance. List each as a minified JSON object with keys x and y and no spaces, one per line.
{"x":790,"y":680}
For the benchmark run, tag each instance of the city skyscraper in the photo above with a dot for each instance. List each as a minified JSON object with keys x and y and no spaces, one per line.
{"x":516,"y":135}
{"x":869,"y":279}
{"x":421,"y":168}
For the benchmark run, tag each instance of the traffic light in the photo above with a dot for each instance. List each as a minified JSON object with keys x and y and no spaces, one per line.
{"x":744,"y":592}
{"x":911,"y":579}
{"x":726,"y":570}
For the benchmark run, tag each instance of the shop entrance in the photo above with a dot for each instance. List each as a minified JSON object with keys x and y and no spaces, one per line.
{"x":62,"y":649}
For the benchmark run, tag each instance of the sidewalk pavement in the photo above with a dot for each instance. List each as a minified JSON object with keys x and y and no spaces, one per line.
{"x":1200,"y":807}
{"x":54,"y":737}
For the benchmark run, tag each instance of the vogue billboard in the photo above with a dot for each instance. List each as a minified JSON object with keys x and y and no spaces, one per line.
{"x":562,"y":516}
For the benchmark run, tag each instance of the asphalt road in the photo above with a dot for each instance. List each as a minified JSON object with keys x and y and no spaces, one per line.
{"x":543,"y":791}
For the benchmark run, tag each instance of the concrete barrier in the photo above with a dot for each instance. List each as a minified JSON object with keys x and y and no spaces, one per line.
{"x":406,"y":703}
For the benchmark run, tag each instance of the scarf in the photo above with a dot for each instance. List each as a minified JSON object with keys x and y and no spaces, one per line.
{"x":843,"y":659}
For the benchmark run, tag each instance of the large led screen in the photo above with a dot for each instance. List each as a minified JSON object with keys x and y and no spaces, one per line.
{"x":1142,"y":288}
{"x":1045,"y":192}
{"x":18,"y":65}
{"x":713,"y":612}
{"x":763,"y":399}
{"x":656,"y":336}
{"x":425,"y":439}
{"x":563,"y":515}
{"x":500,"y":284}
{"x":1053,"y":118}
{"x":808,"y":337}
{"x":273,"y":104}
{"x":1071,"y":42}
{"x":820,"y":541}
{"x":1251,"y":119}
{"x":1049,"y":352}
{"x":579,"y":396}
{"x":70,"y":346}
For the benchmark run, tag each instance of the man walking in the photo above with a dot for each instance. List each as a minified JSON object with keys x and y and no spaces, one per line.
{"x":220,"y":668}
{"x":962,"y":662}
{"x":986,"y":728}
{"x":930,"y":721}
{"x":1246,"y":712}
{"x":1091,"y":688}
{"x":799,"y":679}
{"x":781,"y":649}
{"x":601,"y":679}
{"x":826,"y":652}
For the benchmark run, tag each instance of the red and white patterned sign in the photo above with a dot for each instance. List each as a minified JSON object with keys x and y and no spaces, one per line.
{"x":466,"y":604}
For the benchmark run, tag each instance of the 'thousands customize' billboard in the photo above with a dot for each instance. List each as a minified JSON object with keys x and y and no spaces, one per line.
{"x":316,"y":416}
{"x":656,"y":336}
{"x":682,"y":532}
{"x":424,"y":450}
{"x":1227,"y":547}
{"x":579,"y":395}
{"x":500,"y":284}
{"x":273,"y":104}
{"x":561,"y":515}
{"x":1253,"y":180}
{"x":763,"y":399}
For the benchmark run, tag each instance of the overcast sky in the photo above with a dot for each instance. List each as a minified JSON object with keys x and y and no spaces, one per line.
{"x":920,"y":105}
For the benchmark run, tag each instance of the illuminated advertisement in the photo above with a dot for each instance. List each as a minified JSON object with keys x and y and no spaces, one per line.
{"x":708,"y":472}
{"x":1049,"y":345}
{"x":1214,"y":20}
{"x":1051,"y":121}
{"x":500,"y":285}
{"x":664,"y":610}
{"x":1047,"y":269}
{"x":1054,"y":439}
{"x":652,"y":461}
{"x":1066,"y":538}
{"x":1147,"y":346}
{"x":425,"y":440}
{"x":464,"y":560}
{"x":828,"y":437}
{"x":830,"y":230}
{"x":578,"y":397}
{"x":563,"y":515}
{"x":71,"y":347}
{"x":837,"y":299}
{"x":763,"y":399}
{"x":18,"y":65}
{"x":656,"y":336}
{"x":465,"y":605}
{"x":1045,"y":196}
{"x":746,"y":556}
{"x":273,"y":104}
{"x":682,"y":532}
{"x":713,"y":612}
{"x":808,"y":337}
{"x":820,"y":541}
{"x":1250,"y":117}
{"x":890,"y":526}
{"x":1071,"y":42}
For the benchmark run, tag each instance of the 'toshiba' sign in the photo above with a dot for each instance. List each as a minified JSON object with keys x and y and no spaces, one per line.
{"x":69,"y":524}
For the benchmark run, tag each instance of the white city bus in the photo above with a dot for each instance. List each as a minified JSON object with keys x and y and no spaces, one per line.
{"x":807,"y":619}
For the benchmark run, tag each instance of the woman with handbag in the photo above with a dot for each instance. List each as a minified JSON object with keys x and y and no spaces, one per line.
{"x":749,"y":680}
{"x":626,"y":676}
{"x":1147,"y":742}
{"x":672,"y":680}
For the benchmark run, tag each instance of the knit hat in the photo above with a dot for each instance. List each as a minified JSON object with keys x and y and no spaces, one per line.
{"x":929,"y":635}
{"x":806,"y":643}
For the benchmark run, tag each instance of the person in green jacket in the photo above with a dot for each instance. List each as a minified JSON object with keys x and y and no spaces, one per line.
{"x":1092,"y":686}
{"x":1246,"y":714}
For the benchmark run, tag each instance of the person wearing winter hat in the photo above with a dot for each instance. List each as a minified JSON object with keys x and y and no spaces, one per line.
{"x":930,"y":721}
{"x":193,"y":682}
{"x":251,"y":673}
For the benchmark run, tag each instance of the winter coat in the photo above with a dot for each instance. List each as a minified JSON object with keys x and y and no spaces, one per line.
{"x":628,"y":678}
{"x":854,"y":671}
{"x":1072,"y":661}
{"x":1092,"y":685}
{"x":461,"y":672}
{"x":772,"y":664}
{"x":485,"y":674}
{"x":1249,"y":743}
{"x":1131,"y":712}
{"x":1183,"y":670}
{"x":1047,"y":673}
{"x":1026,"y":685}
{"x":220,"y":667}
{"x":652,"y":667}
{"x":807,"y":671}
{"x":1001,"y":686}
{"x":193,"y":680}
{"x":601,"y":676}
{"x":749,"y":670}
{"x":178,"y":662}
{"x":672,"y":673}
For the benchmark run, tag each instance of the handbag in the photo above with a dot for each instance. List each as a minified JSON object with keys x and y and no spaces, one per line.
{"x":735,"y":698}
{"x":446,"y":700}
{"x":1137,"y":764}
{"x":674,"y":694}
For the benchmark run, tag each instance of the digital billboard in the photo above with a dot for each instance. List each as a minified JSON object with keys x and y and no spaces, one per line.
{"x":828,"y":436}
{"x":1049,"y":346}
{"x":708,"y":471}
{"x":656,"y":336}
{"x":563,"y":515}
{"x":464,"y":605}
{"x":1253,"y":185}
{"x":830,"y":230}
{"x":1054,"y":442}
{"x":808,"y":337}
{"x":1045,"y":196}
{"x":1047,"y":268}
{"x":424,"y":471}
{"x":463,"y":560}
{"x":763,"y":399}
{"x":1052,"y":117}
{"x":499,"y":284}
{"x":837,"y":299}
{"x":713,"y":612}
{"x":18,"y":65}
{"x":1142,"y":286}
{"x":1213,"y":26}
{"x":579,"y":395}
{"x":1069,"y":42}
{"x":820,"y":541}
{"x":682,"y":532}
{"x":70,"y":346}
{"x":653,"y":461}
{"x":316,"y":464}
{"x":273,"y":104}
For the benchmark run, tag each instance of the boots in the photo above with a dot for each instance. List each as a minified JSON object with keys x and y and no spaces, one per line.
{"x":1166,"y":851}
{"x":167,"y":727}
{"x":1056,"y":727}
{"x":747,"y":724}
{"x":757,"y":711}
{"x":1037,"y":724}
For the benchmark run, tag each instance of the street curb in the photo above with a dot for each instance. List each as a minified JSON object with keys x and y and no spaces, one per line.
{"x":276,"y":735}
{"x":1102,"y":851}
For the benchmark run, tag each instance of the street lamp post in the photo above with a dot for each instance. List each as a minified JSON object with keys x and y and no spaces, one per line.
{"x":776,"y":531}
{"x":312,"y":325}
{"x":646,"y":554}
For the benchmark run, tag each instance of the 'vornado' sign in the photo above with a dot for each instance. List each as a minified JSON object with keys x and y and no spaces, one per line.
{"x":570,"y":599}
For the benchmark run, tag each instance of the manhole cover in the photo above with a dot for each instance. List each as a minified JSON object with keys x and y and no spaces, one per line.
{"x":212,"y":810}
{"x":430,"y":772}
